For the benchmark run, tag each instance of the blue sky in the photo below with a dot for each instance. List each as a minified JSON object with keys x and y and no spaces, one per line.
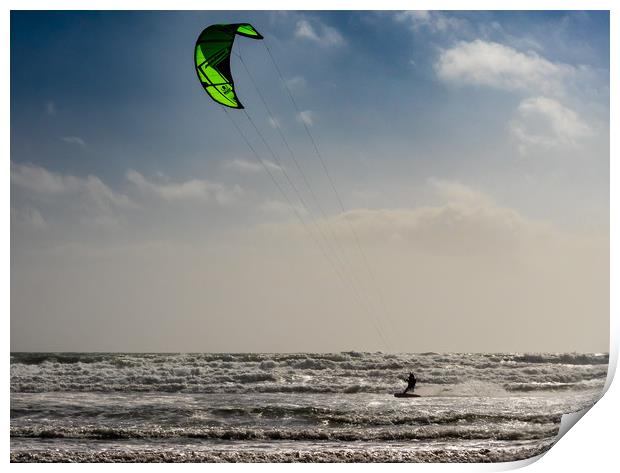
{"x":114,"y":144}
{"x":123,"y":83}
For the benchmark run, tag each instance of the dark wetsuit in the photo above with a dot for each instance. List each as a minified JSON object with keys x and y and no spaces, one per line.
{"x":410,"y":383}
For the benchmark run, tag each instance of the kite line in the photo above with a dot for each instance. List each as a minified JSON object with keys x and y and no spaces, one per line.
{"x":299,"y":216}
{"x":212,"y":54}
{"x":346,"y":264}
{"x":332,"y":185}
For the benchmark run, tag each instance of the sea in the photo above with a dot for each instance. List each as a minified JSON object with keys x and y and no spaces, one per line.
{"x":296,"y":407}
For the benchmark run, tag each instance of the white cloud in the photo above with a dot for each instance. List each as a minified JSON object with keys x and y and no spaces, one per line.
{"x":433,"y":20}
{"x":498,"y":66}
{"x":193,"y":189}
{"x":540,"y":121}
{"x":467,"y":222}
{"x":455,"y":191}
{"x":28,"y":216}
{"x":544,"y":122}
{"x":271,"y":165}
{"x":320,"y":34}
{"x":39,"y":181}
{"x":307,"y":117}
{"x":296,"y":83}
{"x":74,"y":140}
{"x":43,"y":198}
{"x":244,"y":166}
{"x":278,"y":207}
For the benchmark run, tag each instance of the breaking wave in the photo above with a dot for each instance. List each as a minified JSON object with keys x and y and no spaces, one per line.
{"x":328,"y":407}
{"x":435,"y":432}
{"x":346,"y":372}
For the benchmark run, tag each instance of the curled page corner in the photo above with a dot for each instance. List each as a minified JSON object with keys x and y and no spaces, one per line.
{"x":569,"y":420}
{"x":515,"y":465}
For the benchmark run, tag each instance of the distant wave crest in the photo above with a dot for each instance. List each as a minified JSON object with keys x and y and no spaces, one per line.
{"x":346,"y":372}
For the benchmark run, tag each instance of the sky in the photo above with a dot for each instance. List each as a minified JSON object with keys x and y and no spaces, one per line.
{"x":465,"y":205}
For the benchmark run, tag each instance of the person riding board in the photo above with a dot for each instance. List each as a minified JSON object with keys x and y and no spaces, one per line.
{"x":410,"y":383}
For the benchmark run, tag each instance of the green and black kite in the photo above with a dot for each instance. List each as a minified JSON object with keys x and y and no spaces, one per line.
{"x":212,"y":60}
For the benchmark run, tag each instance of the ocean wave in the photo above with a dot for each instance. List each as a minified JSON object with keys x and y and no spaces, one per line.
{"x":561,"y":358}
{"x":328,"y":453}
{"x":555,"y":386}
{"x":527,"y":431}
{"x":334,"y":417}
{"x":292,"y":358}
{"x":347,"y":372}
{"x":38,"y":358}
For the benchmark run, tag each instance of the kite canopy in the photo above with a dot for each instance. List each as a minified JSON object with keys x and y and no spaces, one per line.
{"x":212,"y":60}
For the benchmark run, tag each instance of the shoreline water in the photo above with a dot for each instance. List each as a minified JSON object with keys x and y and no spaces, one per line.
{"x":362,"y":454}
{"x":294,"y":407}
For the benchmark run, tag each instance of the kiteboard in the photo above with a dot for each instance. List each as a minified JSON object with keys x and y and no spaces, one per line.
{"x":406,"y":395}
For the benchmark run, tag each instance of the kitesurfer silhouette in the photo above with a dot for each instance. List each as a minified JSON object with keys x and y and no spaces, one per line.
{"x":410,"y":383}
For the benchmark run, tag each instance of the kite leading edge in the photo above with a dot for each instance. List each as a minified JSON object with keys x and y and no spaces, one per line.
{"x":212,"y":60}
